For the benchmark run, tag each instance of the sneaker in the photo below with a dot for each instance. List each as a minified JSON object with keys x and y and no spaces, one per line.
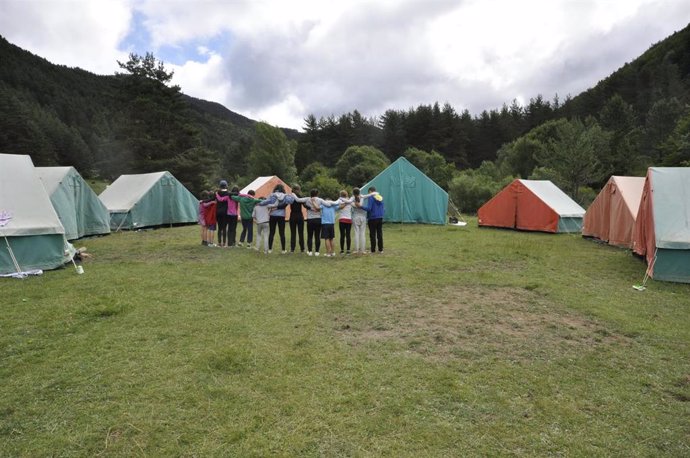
{"x":316,"y":253}
{"x":283,"y":252}
{"x":381,"y":252}
{"x":347,"y":253}
{"x":309,"y":253}
{"x":204,"y":243}
{"x":341,"y":252}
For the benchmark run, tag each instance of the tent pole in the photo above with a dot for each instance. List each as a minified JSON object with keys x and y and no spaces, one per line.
{"x":14,"y":259}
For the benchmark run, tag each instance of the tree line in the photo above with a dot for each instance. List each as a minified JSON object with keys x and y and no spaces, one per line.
{"x":636,"y":118}
{"x":135,"y":122}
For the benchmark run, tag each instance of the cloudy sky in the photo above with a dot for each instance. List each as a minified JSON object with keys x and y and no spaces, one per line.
{"x":278,"y":61}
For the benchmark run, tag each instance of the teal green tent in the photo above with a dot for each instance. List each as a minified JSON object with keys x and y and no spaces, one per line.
{"x":149,"y":199}
{"x":31,"y":235}
{"x":80,"y":210}
{"x":409,"y":195}
{"x":662,"y":228}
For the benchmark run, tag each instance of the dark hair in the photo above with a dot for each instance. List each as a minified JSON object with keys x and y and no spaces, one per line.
{"x":314,"y":192}
{"x":296,"y":187}
{"x":251,"y":192}
{"x":372,"y":189}
{"x":356,"y":192}
{"x":279,"y":188}
{"x":205,"y":195}
{"x":235,"y":189}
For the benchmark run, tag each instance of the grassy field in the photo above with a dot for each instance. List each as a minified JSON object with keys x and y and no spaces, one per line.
{"x":455,"y":342}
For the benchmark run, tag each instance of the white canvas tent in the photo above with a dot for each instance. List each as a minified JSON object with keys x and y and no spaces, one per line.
{"x":31,"y":235}
{"x":80,"y":210}
{"x":149,"y":199}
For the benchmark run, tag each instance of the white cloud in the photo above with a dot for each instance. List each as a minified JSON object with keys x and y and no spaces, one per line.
{"x":286,"y":113}
{"x":279,"y":61}
{"x":76,"y":34}
{"x":203,"y":80}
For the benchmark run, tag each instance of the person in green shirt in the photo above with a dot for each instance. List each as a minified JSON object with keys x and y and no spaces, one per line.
{"x":247,"y":203}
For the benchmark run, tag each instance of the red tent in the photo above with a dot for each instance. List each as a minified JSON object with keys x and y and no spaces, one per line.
{"x":532,"y":205}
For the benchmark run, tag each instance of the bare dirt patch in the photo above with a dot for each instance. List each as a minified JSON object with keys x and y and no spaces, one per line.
{"x":495,"y":322}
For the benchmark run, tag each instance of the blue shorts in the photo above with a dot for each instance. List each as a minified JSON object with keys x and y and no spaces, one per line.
{"x":328,"y":231}
{"x":211,"y":227}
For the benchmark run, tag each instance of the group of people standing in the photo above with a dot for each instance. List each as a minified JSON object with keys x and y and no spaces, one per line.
{"x":219,"y":210}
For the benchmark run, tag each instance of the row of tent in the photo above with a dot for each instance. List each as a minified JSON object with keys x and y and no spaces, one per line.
{"x":42,"y":208}
{"x":45,"y":207}
{"x":661,"y":233}
{"x":649,"y":215}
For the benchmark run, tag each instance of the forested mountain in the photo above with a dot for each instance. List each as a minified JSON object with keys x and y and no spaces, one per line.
{"x":635,"y":118}
{"x":109,"y":125}
{"x":645,"y":97}
{"x":135,"y":122}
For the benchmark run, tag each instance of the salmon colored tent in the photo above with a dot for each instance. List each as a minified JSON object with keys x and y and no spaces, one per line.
{"x":264,"y":186}
{"x":532,"y":205}
{"x":662,"y":228}
{"x":611,"y":217}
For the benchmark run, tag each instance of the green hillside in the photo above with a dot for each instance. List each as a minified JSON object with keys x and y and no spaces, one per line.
{"x":68,"y":116}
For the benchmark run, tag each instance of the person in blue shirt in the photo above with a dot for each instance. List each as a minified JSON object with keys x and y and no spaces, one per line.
{"x":328,"y":208}
{"x":375,"y":211}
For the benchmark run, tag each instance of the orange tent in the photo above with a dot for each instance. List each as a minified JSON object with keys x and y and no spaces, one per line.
{"x":264,"y":186}
{"x":532,"y":205}
{"x":611,"y":217}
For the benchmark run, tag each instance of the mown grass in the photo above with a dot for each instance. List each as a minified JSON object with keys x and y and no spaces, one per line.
{"x":456,"y":341}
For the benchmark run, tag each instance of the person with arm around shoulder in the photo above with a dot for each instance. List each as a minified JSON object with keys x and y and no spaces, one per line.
{"x":375,"y":212}
{"x":345,"y":222}
{"x":247,"y":203}
{"x":222,"y":198}
{"x":233,"y":211}
{"x":359,"y":222}
{"x":280,"y":201}
{"x":262,"y":215}
{"x":209,"y":205}
{"x":296,"y":220}
{"x":313,"y":221}
{"x":328,"y":208}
